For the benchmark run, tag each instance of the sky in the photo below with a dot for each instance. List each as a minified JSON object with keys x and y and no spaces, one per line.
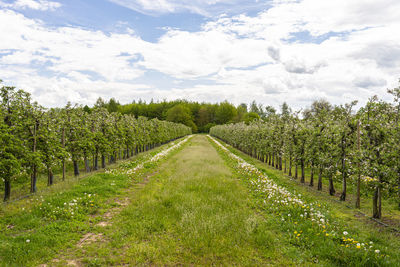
{"x":275,"y":51}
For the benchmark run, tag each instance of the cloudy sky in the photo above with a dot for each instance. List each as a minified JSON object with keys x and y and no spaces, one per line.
{"x":205,"y":50}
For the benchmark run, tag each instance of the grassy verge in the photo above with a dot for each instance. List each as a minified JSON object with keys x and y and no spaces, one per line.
{"x":391,"y":212}
{"x":33,"y":230}
{"x":329,"y":242}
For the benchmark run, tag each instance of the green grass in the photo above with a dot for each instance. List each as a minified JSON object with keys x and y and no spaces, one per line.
{"x":192,"y":208}
{"x":314,"y":246}
{"x":35,"y":229}
{"x":390,"y":210}
{"x":193,"y":211}
{"x":20,"y":186}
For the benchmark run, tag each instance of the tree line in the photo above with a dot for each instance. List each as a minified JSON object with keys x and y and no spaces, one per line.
{"x":199,"y":116}
{"x":36,"y":140}
{"x":335,"y":142}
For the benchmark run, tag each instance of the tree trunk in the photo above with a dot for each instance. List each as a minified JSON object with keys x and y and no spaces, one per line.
{"x":331,"y":187}
{"x":273,"y":160}
{"x":303,"y":175}
{"x":87,"y":167}
{"x":76,"y":168}
{"x":33,"y":179}
{"x":63,"y":160}
{"x":344,"y":176}
{"x":344,"y":187}
{"x":398,"y":186}
{"x":358,"y":196}
{"x":376,"y":202}
{"x":312,"y":175}
{"x":290,"y":166}
{"x":63,"y":170}
{"x":280,"y":163}
{"x":34,"y":169}
{"x":103,"y":161}
{"x":96,"y":162}
{"x":50,"y":177}
{"x":320,"y":179}
{"x":296,"y":173}
{"x":7,"y":190}
{"x":284,"y":169}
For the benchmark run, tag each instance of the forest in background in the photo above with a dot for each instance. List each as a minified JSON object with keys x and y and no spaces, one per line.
{"x":199,"y":116}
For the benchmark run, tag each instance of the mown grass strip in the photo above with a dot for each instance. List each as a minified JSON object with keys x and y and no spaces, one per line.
{"x":193,"y":211}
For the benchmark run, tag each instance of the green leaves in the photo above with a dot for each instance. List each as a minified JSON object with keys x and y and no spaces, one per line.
{"x":326,"y":137}
{"x":34,"y":139}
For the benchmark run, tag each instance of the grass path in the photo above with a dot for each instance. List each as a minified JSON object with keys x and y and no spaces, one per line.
{"x":193,"y":211}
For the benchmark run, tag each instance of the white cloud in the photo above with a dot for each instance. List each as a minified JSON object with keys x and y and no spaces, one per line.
{"x":41,"y":5}
{"x":68,"y":49}
{"x":241,"y":57}
{"x":53,"y":62}
{"x":192,"y":55}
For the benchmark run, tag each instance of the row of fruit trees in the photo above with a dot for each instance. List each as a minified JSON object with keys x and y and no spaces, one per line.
{"x":35,"y":140}
{"x":335,"y":143}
